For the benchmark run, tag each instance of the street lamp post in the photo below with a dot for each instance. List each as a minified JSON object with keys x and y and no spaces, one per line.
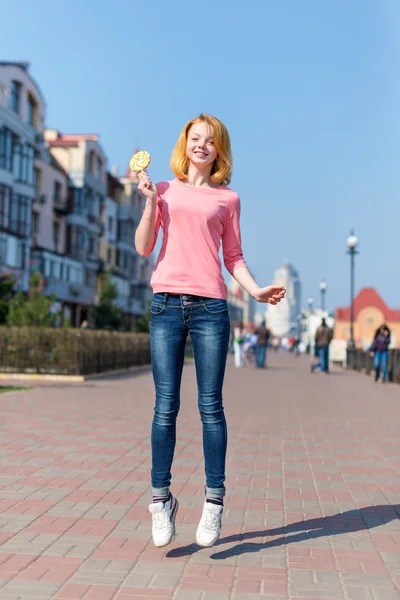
{"x":352,"y":243}
{"x":322,"y":289}
{"x":299,"y":322}
{"x":310,"y":303}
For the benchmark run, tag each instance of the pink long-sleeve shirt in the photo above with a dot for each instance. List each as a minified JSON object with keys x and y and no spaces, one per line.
{"x":194,"y":221}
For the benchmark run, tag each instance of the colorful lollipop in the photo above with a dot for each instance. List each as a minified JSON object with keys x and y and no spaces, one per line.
{"x":140,"y":161}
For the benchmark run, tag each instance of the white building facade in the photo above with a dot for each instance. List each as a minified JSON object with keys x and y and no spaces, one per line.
{"x":22,"y":110}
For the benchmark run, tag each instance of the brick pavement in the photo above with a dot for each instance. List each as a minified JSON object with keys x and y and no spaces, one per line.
{"x":312,"y":510}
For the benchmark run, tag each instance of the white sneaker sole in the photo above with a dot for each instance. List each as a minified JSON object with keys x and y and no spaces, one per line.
{"x":173,"y":517}
{"x":199,"y":542}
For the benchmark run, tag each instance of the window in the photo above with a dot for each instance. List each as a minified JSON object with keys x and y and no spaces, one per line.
{"x":110,"y":224}
{"x":32,"y":111}
{"x":56,"y":234}
{"x":91,"y":202}
{"x":109,"y":254}
{"x":23,"y":157}
{"x":132,"y":267}
{"x":22,"y":247}
{"x":3,"y":249}
{"x":77,"y":242}
{"x":90,"y":278}
{"x":91,"y":162}
{"x":80,"y":201}
{"x":92,"y":250}
{"x":5,"y":199}
{"x":98,"y":168}
{"x":15,"y":96}
{"x":37,"y":177}
{"x":35,"y":223}
{"x":125,"y":231}
{"x":57,"y":191}
{"x":6,"y":149}
{"x":19,"y":218}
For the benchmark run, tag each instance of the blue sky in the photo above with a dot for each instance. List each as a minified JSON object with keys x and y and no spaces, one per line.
{"x":310,"y":92}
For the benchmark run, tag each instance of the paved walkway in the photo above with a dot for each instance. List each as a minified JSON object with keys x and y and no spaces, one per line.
{"x":312,"y":509}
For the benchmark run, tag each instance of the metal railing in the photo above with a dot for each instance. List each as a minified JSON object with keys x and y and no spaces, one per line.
{"x":360,"y":360}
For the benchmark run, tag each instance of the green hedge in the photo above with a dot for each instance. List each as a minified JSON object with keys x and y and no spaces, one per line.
{"x":70,"y":351}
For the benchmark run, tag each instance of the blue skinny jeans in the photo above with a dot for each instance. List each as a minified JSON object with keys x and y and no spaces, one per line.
{"x":206,"y":320}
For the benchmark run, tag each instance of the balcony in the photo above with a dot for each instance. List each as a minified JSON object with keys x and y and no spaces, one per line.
{"x":93,"y":219}
{"x":64,"y":277}
{"x":39,"y":198}
{"x":60,"y":205}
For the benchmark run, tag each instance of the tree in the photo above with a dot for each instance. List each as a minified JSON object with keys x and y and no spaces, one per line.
{"x":143,"y":322}
{"x":34,"y":309}
{"x":6,"y":291}
{"x":106,"y":315}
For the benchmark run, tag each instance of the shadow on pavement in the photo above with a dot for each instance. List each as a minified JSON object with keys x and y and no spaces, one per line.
{"x":347,"y":522}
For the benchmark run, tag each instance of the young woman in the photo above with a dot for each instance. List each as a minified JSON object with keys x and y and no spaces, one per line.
{"x":380,"y":351}
{"x":196,"y":211}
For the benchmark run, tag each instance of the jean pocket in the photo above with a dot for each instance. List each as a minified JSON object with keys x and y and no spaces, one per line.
{"x":215,"y":306}
{"x":156,"y":308}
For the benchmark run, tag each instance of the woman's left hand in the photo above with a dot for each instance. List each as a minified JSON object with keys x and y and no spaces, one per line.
{"x":271,"y":294}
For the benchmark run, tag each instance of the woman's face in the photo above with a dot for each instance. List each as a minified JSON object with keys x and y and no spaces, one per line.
{"x":200,"y":148}
{"x":383,"y":330}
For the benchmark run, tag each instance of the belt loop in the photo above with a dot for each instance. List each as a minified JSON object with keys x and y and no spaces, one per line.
{"x":166,"y":295}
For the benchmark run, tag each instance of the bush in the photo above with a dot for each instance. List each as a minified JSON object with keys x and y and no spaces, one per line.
{"x":32,"y":310}
{"x":70,"y":351}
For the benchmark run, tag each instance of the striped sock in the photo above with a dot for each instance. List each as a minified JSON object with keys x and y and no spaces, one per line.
{"x":217,"y":501}
{"x":161,"y":498}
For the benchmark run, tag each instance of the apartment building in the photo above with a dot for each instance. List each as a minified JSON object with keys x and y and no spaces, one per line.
{"x":83,"y":159}
{"x":129,"y":272}
{"x":22,"y":112}
{"x":61,"y":213}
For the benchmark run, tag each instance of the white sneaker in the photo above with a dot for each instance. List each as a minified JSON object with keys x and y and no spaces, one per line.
{"x":163,"y":514}
{"x":210,"y":525}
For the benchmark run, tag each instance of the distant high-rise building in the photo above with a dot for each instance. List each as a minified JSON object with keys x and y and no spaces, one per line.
{"x":282,"y":319}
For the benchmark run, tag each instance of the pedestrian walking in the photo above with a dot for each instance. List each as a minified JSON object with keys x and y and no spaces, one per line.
{"x":380,"y":351}
{"x":263,"y":336}
{"x":196,"y":211}
{"x":323,"y":338}
{"x":276,"y":342}
{"x":250,"y":354}
{"x":239,"y":333}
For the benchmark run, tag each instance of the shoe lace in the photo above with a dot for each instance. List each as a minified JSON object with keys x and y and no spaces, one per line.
{"x":160,"y":520}
{"x":210,"y":521}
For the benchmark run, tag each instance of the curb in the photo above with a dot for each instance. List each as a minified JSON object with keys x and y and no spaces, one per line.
{"x":70,"y":378}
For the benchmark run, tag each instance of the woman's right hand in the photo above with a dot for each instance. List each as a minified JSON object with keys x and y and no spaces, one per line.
{"x":147,"y":187}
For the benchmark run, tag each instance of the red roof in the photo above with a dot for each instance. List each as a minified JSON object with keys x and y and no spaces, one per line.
{"x":71,"y":140}
{"x":365,"y":298}
{"x":79,"y":137}
{"x":62,"y":142}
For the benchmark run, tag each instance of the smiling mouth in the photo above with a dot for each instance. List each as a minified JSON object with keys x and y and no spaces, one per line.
{"x":201,"y":154}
